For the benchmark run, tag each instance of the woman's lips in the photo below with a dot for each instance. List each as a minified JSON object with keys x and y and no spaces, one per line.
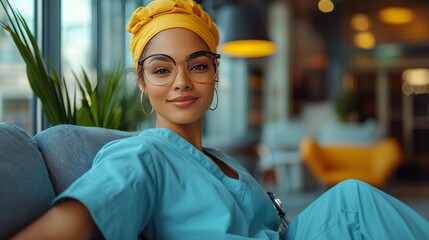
{"x":183,"y":101}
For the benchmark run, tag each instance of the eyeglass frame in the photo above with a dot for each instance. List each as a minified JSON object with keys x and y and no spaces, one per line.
{"x":215,"y":57}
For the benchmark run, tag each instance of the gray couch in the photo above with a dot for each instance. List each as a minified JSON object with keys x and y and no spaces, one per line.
{"x":33,"y":170}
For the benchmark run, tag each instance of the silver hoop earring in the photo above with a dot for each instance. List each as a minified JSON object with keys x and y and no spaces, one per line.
{"x":217,"y":100}
{"x":142,"y":105}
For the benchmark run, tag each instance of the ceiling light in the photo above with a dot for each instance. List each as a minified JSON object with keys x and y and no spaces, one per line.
{"x":243,"y":32}
{"x":416,"y":77}
{"x":364,"y":40}
{"x":326,"y":6}
{"x":360,"y":22}
{"x":396,"y":15}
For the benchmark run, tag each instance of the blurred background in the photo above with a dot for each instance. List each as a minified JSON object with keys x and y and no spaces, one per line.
{"x":340,"y":72}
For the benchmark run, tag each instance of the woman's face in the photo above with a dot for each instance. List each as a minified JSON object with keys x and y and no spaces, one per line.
{"x":184,"y":99}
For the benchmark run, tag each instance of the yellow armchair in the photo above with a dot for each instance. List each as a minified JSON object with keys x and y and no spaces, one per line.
{"x":331,"y":164}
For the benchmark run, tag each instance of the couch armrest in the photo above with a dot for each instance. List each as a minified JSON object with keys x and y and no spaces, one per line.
{"x":26,"y":191}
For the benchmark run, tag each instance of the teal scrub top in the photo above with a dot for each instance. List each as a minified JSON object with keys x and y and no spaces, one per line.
{"x":159,"y":186}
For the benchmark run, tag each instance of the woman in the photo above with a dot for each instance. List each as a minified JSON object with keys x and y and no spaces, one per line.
{"x":163,"y":184}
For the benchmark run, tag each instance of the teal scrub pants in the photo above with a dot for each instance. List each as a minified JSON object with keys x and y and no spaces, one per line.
{"x":356,"y":210}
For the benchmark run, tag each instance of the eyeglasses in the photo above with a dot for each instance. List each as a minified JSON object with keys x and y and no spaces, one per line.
{"x":161,"y":69}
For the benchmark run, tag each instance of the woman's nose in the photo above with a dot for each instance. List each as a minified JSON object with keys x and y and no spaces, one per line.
{"x":182,"y":80}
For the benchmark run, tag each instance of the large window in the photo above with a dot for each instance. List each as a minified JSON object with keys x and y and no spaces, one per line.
{"x":92,"y":38}
{"x":76,"y":37}
{"x":76,"y":42}
{"x":15,"y":92}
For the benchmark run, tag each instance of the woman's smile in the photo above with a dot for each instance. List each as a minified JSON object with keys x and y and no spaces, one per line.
{"x":183,"y":101}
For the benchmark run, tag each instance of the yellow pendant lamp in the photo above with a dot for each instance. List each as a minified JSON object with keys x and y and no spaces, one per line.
{"x":243,"y":32}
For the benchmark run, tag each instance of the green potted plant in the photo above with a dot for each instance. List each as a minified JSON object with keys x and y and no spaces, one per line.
{"x":107,"y":105}
{"x":346,"y":107}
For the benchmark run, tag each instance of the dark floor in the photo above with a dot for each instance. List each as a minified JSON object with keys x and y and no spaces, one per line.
{"x":415,"y":194}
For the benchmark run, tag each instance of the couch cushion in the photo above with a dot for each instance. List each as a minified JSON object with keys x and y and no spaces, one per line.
{"x":69,"y":150}
{"x":25,"y":188}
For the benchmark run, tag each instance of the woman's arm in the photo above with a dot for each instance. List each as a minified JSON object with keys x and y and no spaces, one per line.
{"x":68,"y":220}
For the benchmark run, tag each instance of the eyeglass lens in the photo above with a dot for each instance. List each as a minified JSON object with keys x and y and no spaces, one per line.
{"x":160,"y":69}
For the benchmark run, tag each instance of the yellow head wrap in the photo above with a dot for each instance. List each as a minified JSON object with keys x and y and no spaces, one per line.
{"x":160,"y":15}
